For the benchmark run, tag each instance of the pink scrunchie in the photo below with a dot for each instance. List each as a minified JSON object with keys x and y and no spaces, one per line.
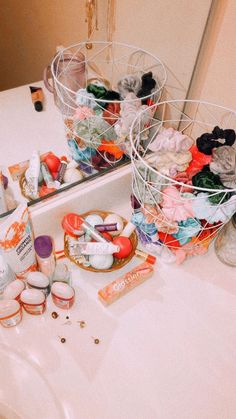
{"x":155,"y":215}
{"x":176,"y":206}
{"x":83,"y":112}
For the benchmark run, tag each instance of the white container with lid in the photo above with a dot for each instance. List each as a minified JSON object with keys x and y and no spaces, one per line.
{"x":33,"y":301}
{"x":14,"y":290}
{"x":39,"y":281}
{"x":10,"y":313}
{"x":63,"y":295}
{"x":6,"y":275}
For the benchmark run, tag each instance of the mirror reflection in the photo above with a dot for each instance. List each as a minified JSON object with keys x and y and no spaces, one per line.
{"x":74,"y":125}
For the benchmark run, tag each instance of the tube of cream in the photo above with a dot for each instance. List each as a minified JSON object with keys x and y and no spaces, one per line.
{"x":16,"y":242}
{"x":73,"y":251}
{"x":94,"y":248}
{"x":32,"y":174}
{"x":3,"y":203}
{"x":88,"y":228}
{"x":73,"y":224}
{"x":37,"y":97}
{"x":121,"y":286}
{"x":128,"y":230}
{"x":48,"y":179}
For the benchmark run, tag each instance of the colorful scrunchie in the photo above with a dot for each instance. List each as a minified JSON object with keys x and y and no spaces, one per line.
{"x":208,"y":180}
{"x":224,"y":164}
{"x":204,"y":210}
{"x":199,"y":160}
{"x":177,"y":206}
{"x":170,"y":140}
{"x":187,"y":229}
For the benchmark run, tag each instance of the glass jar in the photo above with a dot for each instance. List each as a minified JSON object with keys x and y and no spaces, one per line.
{"x":225,"y":243}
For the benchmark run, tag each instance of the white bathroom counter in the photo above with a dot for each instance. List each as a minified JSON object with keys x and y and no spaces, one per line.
{"x":167,"y":348}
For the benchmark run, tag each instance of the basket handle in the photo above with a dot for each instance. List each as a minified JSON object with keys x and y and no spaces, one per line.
{"x":46,"y":75}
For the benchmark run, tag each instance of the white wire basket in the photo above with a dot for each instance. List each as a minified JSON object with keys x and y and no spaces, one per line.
{"x":183,"y":181}
{"x":98,"y":109}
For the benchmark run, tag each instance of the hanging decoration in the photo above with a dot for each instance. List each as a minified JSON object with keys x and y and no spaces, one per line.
{"x":91,"y":20}
{"x":110,"y":19}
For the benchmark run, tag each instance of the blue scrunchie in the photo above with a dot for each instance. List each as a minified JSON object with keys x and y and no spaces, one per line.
{"x":80,"y":154}
{"x":138,"y":219}
{"x":187,"y":229}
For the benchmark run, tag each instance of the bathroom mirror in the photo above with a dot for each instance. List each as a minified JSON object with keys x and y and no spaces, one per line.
{"x":170,"y":31}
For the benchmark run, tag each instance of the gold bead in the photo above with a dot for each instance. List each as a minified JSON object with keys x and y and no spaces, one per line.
{"x":55,"y":315}
{"x":63,"y":340}
{"x":89,"y":45}
{"x":96,"y":341}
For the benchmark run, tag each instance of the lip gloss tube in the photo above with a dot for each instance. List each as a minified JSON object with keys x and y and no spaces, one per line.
{"x":106,"y":227}
{"x":148,"y":258}
{"x":121,"y":286}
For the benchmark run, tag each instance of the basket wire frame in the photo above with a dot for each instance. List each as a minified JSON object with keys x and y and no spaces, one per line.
{"x":107,"y":62}
{"x":193,"y":118}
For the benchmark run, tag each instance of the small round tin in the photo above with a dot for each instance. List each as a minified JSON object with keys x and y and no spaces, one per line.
{"x":38,"y":281}
{"x":14,"y":290}
{"x":63,"y":295}
{"x":10,"y":313}
{"x":33,"y":301}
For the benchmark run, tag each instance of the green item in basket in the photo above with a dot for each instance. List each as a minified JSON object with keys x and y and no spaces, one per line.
{"x":98,"y":91}
{"x":93,"y":130}
{"x":208,"y":180}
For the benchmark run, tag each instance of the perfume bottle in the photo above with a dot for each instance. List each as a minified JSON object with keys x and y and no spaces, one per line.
{"x":225,"y":243}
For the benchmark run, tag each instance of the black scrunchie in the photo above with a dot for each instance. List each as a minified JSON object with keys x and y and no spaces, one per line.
{"x":208,"y":141}
{"x":148,"y":83}
{"x":111,"y":95}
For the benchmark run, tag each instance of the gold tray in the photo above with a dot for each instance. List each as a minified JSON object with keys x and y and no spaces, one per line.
{"x":118,"y":263}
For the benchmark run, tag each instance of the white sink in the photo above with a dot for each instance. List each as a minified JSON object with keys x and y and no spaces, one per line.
{"x":25,"y":393}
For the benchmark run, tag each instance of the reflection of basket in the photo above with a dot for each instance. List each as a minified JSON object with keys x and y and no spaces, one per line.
{"x":185,"y":217}
{"x":118,"y":263}
{"x":86,"y":88}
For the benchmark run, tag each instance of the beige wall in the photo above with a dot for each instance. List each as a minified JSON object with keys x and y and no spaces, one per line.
{"x":30,"y":30}
{"x":214,"y":80}
{"x":171,"y":29}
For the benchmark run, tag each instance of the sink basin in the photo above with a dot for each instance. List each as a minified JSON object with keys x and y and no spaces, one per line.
{"x":24,"y":392}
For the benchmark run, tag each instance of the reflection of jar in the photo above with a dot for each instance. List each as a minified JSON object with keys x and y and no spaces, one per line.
{"x":225,"y":243}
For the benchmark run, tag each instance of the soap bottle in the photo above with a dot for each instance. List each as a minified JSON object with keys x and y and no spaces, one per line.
{"x":6,"y":275}
{"x":44,"y":253}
